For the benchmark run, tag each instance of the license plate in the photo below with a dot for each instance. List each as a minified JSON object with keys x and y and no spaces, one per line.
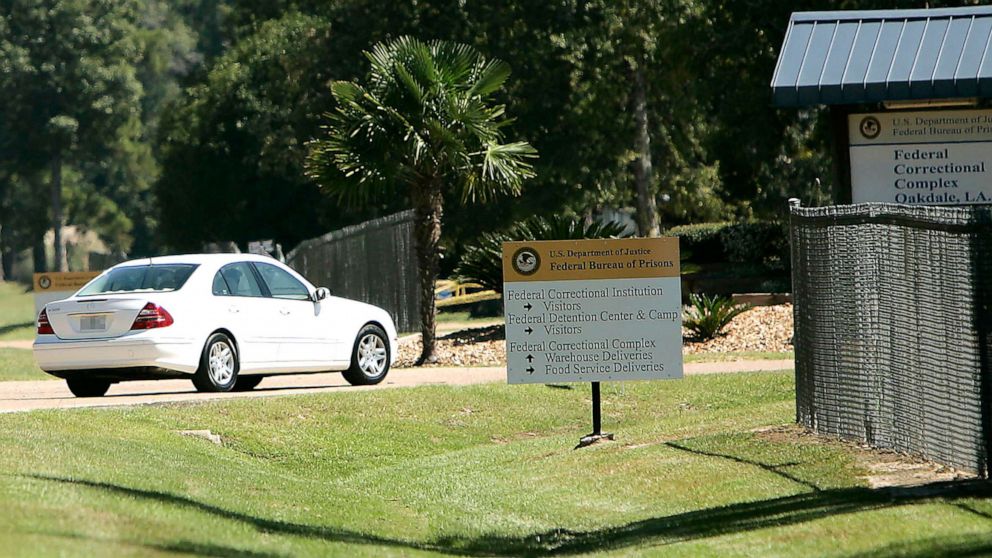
{"x":93,"y":323}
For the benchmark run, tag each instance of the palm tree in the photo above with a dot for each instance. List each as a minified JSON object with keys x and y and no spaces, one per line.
{"x":423,"y":124}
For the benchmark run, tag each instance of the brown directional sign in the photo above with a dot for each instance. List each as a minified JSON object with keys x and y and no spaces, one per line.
{"x":572,"y":260}
{"x":63,"y":280}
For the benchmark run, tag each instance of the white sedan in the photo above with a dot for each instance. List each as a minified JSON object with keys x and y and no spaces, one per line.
{"x":223,"y":320}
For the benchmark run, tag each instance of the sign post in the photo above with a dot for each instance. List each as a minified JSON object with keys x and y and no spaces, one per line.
{"x":597,"y":420}
{"x":592,"y":311}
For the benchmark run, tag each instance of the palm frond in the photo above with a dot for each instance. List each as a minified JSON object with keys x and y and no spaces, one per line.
{"x":507,"y":163}
{"x":491,"y":77}
{"x":412,"y":87}
{"x":420,"y":117}
{"x":455,"y":61}
{"x":346,"y":92}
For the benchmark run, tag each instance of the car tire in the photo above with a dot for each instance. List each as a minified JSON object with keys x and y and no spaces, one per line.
{"x":219,"y":365}
{"x":369,"y":357}
{"x":87,"y":387}
{"x":247,"y":383}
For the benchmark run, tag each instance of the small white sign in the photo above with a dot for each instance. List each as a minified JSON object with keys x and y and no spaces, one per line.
{"x":592,"y":310}
{"x":922,"y":158}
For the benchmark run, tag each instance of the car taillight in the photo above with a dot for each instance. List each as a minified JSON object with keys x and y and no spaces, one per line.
{"x":44,"y":326}
{"x":151,"y":317}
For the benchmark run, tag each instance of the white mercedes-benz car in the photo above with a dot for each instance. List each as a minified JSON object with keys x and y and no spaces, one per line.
{"x":223,"y":320}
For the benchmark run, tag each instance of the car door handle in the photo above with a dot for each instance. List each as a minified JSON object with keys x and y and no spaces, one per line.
{"x":233,"y":309}
{"x":284,"y":311}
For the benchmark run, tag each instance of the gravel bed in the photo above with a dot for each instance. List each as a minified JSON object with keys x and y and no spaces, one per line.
{"x":763,"y":328}
{"x":485,"y":346}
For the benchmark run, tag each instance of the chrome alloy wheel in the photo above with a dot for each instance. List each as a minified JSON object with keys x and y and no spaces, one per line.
{"x":372,"y":355}
{"x":221,"y":363}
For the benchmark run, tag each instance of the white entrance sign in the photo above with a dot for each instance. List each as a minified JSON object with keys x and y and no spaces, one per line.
{"x":592,"y":310}
{"x":49,"y":287}
{"x":922,"y":158}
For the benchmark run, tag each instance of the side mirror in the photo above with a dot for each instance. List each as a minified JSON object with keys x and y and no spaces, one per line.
{"x":321,"y":293}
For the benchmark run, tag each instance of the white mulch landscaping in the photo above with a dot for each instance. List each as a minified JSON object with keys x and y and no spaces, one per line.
{"x":763,"y":328}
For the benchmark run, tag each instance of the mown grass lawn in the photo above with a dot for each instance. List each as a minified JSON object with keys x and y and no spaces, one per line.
{"x":16,"y":312}
{"x":18,"y":364}
{"x":739,"y":355}
{"x":479,"y":471}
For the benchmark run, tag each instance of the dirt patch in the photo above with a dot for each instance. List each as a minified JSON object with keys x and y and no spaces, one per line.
{"x":885,"y":467}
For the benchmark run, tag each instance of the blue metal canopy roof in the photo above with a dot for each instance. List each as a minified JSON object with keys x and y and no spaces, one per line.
{"x":834,"y":58}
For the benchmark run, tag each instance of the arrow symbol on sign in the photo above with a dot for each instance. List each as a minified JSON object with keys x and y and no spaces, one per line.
{"x":529,"y":331}
{"x":530,"y":370}
{"x":528,"y":306}
{"x":530,"y":358}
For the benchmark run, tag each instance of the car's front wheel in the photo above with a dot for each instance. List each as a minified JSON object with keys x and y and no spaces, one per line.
{"x":369,"y":358}
{"x":219,"y":365}
{"x":87,"y":387}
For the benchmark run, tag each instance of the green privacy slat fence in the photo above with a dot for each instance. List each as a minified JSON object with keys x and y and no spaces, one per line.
{"x":374,"y":262}
{"x":892,"y":327}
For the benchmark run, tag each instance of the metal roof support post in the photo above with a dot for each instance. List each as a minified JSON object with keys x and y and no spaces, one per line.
{"x":841,"y":154}
{"x":804,"y":394}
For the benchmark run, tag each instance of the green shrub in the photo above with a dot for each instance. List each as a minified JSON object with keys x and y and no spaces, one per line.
{"x":764,"y":243}
{"x":758,"y":242}
{"x":701,"y":242}
{"x":482,"y":262}
{"x":706,"y":316}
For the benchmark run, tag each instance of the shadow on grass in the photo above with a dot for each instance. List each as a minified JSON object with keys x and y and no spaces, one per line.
{"x":14,"y":327}
{"x":211,"y":550}
{"x":272,"y":526}
{"x":177,"y":547}
{"x":684,"y":527}
{"x":773,"y":469}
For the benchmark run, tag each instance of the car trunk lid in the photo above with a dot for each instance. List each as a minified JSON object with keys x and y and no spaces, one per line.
{"x":94,"y":318}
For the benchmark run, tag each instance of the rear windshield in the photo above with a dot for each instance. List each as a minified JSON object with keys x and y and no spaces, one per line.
{"x":140,"y":278}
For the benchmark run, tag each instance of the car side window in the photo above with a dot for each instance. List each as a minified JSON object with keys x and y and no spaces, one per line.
{"x":220,"y":286}
{"x":281,"y":284}
{"x":240,"y":280}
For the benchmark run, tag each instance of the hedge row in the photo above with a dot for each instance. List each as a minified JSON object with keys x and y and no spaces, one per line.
{"x":762,"y":243}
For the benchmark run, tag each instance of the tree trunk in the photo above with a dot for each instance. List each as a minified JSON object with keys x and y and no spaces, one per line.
{"x":7,"y":262}
{"x":5,"y":272}
{"x":60,"y":263}
{"x":428,"y":207}
{"x":38,"y":255}
{"x":647,"y":208}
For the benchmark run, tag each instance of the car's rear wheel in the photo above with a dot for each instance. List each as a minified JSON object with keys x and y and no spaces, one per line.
{"x":247,"y":383}
{"x":219,"y":365}
{"x":369,"y":358}
{"x":87,"y":387}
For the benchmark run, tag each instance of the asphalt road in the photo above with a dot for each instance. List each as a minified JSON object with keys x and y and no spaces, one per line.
{"x":53,"y":394}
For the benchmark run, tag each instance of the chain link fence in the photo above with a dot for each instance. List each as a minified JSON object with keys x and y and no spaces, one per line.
{"x":892,"y":327}
{"x":374,"y":262}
